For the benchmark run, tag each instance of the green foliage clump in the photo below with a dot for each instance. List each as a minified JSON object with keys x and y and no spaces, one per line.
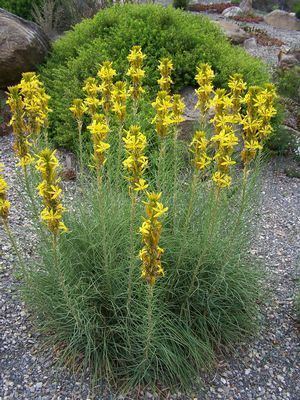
{"x":82,"y":298}
{"x":183,"y":4}
{"x":23,"y":8}
{"x":162,"y":32}
{"x":288,"y":83}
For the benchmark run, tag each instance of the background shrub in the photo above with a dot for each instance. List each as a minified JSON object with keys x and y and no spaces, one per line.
{"x":183,"y":4}
{"x":187,"y":39}
{"x":23,"y":8}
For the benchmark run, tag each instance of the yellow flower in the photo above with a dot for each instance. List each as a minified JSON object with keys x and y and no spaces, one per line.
{"x":136,"y":162}
{"x":106,"y":73}
{"x":178,"y":107}
{"x":99,"y":131}
{"x":78,"y":109}
{"x":163,"y":118}
{"x":221,"y":180}
{"x":204,"y":78}
{"x":165,"y":68}
{"x":21,"y":144}
{"x":151,"y":228}
{"x":136,"y":72}
{"x":49,"y":189}
{"x":141,"y":185}
{"x":198,"y":147}
{"x":119,"y":100}
{"x":4,"y":203}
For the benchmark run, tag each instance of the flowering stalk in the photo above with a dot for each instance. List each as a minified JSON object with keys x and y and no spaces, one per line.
{"x":78,"y":109}
{"x":136,"y":74}
{"x":151,"y":253}
{"x":135,"y":164}
{"x":165,"y":68}
{"x":22,"y":142}
{"x":163,"y":120}
{"x":204,"y":79}
{"x":36,"y":106}
{"x":99,"y":131}
{"x":119,"y":103}
{"x":177,"y":117}
{"x":106,"y":74}
{"x":91,"y":101}
{"x":4,"y":212}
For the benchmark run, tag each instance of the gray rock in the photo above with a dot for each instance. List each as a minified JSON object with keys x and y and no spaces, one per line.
{"x":232,"y":12}
{"x":250,"y":44}
{"x":246,"y":6}
{"x":283,"y":20}
{"x":288,"y":59}
{"x":232,"y":30}
{"x":23,"y":46}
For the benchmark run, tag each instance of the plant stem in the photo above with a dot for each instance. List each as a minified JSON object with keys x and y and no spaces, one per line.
{"x":119,"y":166}
{"x":149,"y":320}
{"x":103,"y":225}
{"x":188,"y":214}
{"x":175,"y":166}
{"x":14,"y":244}
{"x":161,"y":164}
{"x":35,"y":211}
{"x":132,"y":248}
{"x":79,"y":126}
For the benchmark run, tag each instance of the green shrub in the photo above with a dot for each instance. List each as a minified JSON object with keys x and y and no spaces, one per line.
{"x":183,"y":4}
{"x":288,"y":83}
{"x":23,"y":8}
{"x":187,"y":39}
{"x":296,"y":10}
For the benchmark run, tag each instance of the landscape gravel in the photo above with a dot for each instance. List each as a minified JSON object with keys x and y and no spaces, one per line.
{"x":267,"y":367}
{"x":269,"y":54}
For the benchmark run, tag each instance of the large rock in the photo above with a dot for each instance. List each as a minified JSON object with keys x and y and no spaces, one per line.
{"x":23,"y":46}
{"x":234,"y":33}
{"x":289,"y":58}
{"x":246,"y":6}
{"x":232,"y":12}
{"x":283,"y":20}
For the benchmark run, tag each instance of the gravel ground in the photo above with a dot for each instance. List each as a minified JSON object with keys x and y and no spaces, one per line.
{"x":266,"y":368}
{"x":269,"y":54}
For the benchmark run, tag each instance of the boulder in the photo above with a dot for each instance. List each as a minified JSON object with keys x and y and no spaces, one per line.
{"x":23,"y":46}
{"x":246,"y":6}
{"x":250,"y":44}
{"x":232,"y":12}
{"x":283,"y":20}
{"x":289,"y":58}
{"x":232,"y":30}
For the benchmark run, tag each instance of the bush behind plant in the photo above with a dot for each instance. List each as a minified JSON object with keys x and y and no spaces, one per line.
{"x":186,"y":38}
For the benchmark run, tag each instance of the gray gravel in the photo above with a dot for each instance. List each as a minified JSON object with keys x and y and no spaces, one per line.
{"x":266,"y":368}
{"x":269,"y":54}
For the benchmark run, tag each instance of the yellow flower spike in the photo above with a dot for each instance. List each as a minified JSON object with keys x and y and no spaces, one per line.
{"x":151,"y":228}
{"x":50,"y":191}
{"x":91,"y":87}
{"x":78,"y":109}
{"x":136,"y":162}
{"x":165,"y":68}
{"x":119,"y":99}
{"x":221,"y":180}
{"x":136,"y":72}
{"x":237,"y":87}
{"x":99,"y":130}
{"x":35,"y":104}
{"x":198,"y":147}
{"x":106,"y":73}
{"x":21,"y":144}
{"x":4,"y":203}
{"x":204,"y":79}
{"x":178,"y":107}
{"x":163,"y":118}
